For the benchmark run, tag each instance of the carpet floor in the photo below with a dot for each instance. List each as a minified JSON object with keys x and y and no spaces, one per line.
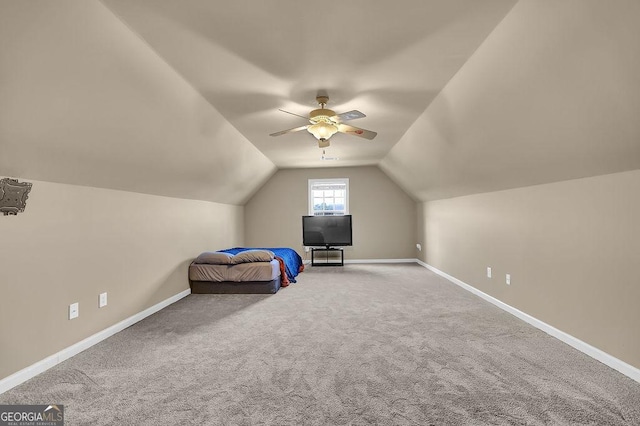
{"x":357,"y":345}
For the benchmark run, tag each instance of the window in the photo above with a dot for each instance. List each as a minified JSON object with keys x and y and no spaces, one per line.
{"x":328,"y":197}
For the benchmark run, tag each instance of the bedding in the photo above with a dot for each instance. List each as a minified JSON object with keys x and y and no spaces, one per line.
{"x":213,"y":258}
{"x":291,"y":259}
{"x":244,"y":270}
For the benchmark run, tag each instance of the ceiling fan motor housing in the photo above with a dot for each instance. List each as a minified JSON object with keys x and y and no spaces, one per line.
{"x":321,"y":114}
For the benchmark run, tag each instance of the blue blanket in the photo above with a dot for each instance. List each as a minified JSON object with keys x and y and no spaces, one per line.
{"x":292,"y":260}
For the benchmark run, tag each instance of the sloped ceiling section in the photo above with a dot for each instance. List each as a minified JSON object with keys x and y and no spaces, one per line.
{"x":552,"y":94}
{"x":250,"y":58}
{"x":85,"y":101}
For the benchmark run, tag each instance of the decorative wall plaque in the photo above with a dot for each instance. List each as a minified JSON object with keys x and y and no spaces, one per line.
{"x":13,"y":196}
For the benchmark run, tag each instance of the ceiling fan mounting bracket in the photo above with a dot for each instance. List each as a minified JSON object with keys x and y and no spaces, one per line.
{"x":322,"y":100}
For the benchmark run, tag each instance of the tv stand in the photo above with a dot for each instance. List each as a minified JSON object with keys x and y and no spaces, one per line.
{"x":326,"y":261}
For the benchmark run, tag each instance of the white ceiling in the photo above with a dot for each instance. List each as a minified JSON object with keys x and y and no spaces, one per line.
{"x":250,"y":58}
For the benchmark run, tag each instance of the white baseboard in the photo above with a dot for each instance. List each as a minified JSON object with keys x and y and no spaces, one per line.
{"x":380,"y":261}
{"x":308,"y":262}
{"x":45,"y":364}
{"x":613,"y":362}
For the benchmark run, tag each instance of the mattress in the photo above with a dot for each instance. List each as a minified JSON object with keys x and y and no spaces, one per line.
{"x":251,"y":271}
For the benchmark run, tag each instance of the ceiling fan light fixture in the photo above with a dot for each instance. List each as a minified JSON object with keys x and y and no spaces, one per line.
{"x":322,"y":130}
{"x":323,"y":143}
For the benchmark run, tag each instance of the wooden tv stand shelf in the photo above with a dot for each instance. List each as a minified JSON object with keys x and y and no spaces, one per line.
{"x":326,"y":261}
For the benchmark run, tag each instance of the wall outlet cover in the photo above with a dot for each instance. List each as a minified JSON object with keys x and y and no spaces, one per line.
{"x":74,"y":310}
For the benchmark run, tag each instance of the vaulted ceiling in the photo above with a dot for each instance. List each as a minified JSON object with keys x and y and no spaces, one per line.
{"x":179,"y":98}
{"x":250,"y":58}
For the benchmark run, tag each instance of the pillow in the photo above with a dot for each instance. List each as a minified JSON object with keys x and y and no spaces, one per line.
{"x":214,"y":258}
{"x":253,"y":256}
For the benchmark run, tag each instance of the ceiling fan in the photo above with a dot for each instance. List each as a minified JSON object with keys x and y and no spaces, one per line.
{"x":324,"y":123}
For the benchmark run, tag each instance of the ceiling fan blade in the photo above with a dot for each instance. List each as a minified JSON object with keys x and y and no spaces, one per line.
{"x":356,"y":131}
{"x":297,"y":115}
{"x":349,"y":115}
{"x":283,"y":132}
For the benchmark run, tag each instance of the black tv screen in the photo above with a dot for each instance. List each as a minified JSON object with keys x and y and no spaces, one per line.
{"x":326,"y":231}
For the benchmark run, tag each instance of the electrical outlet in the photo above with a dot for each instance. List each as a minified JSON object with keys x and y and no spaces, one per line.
{"x":488,"y":271}
{"x":74,"y":310}
{"x":306,"y":249}
{"x":419,"y":247}
{"x":508,"y":279}
{"x":102,"y":300}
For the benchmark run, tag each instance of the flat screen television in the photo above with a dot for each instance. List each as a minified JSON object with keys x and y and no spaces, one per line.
{"x":326,"y":231}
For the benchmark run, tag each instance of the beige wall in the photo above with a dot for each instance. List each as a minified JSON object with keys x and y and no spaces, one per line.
{"x":384,"y":216}
{"x":571,"y":249}
{"x":74,"y":242}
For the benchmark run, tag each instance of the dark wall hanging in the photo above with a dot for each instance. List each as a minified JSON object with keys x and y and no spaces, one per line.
{"x":13,"y":196}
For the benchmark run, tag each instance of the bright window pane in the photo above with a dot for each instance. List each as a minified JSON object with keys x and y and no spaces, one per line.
{"x":328,"y":197}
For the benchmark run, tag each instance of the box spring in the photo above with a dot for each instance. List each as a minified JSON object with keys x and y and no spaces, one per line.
{"x":233,"y":287}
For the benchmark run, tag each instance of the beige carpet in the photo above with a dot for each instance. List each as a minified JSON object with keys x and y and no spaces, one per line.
{"x":363,"y":344}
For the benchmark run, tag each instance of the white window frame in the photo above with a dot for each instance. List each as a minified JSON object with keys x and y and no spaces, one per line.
{"x":341,"y":181}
